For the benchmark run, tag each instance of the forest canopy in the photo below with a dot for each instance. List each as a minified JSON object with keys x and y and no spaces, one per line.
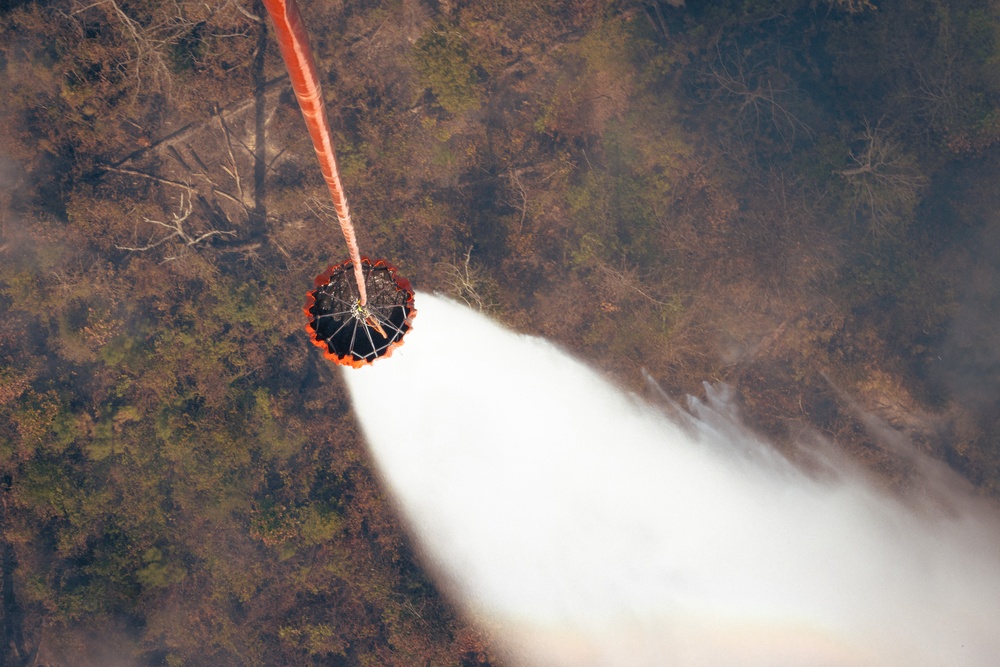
{"x":793,"y":197}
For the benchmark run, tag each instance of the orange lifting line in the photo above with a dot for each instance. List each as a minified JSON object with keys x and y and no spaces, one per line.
{"x":298,"y":58}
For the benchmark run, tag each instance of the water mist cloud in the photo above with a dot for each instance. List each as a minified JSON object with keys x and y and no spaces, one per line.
{"x":579,"y":526}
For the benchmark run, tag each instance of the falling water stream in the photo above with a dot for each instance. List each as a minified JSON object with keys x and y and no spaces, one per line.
{"x":577,"y":525}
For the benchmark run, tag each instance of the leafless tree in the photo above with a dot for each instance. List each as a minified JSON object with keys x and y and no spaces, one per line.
{"x":177,"y":230}
{"x":853,"y":6}
{"x":467,"y":284}
{"x":519,"y":198}
{"x":759,"y":95}
{"x":622,"y":281}
{"x":149,"y":41}
{"x":885,"y":181}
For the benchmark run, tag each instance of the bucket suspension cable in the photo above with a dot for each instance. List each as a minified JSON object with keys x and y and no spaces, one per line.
{"x":294,"y":43}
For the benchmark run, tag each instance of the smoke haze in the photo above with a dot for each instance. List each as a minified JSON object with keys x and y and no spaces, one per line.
{"x":578,"y":526}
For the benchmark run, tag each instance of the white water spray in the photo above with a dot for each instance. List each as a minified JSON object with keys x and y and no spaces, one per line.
{"x":578,"y":526}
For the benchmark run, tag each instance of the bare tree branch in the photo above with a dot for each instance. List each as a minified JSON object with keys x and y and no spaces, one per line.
{"x":176,"y":227}
{"x":158,"y":179}
{"x":465,"y":284}
{"x":235,"y":171}
{"x":886,"y":181}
